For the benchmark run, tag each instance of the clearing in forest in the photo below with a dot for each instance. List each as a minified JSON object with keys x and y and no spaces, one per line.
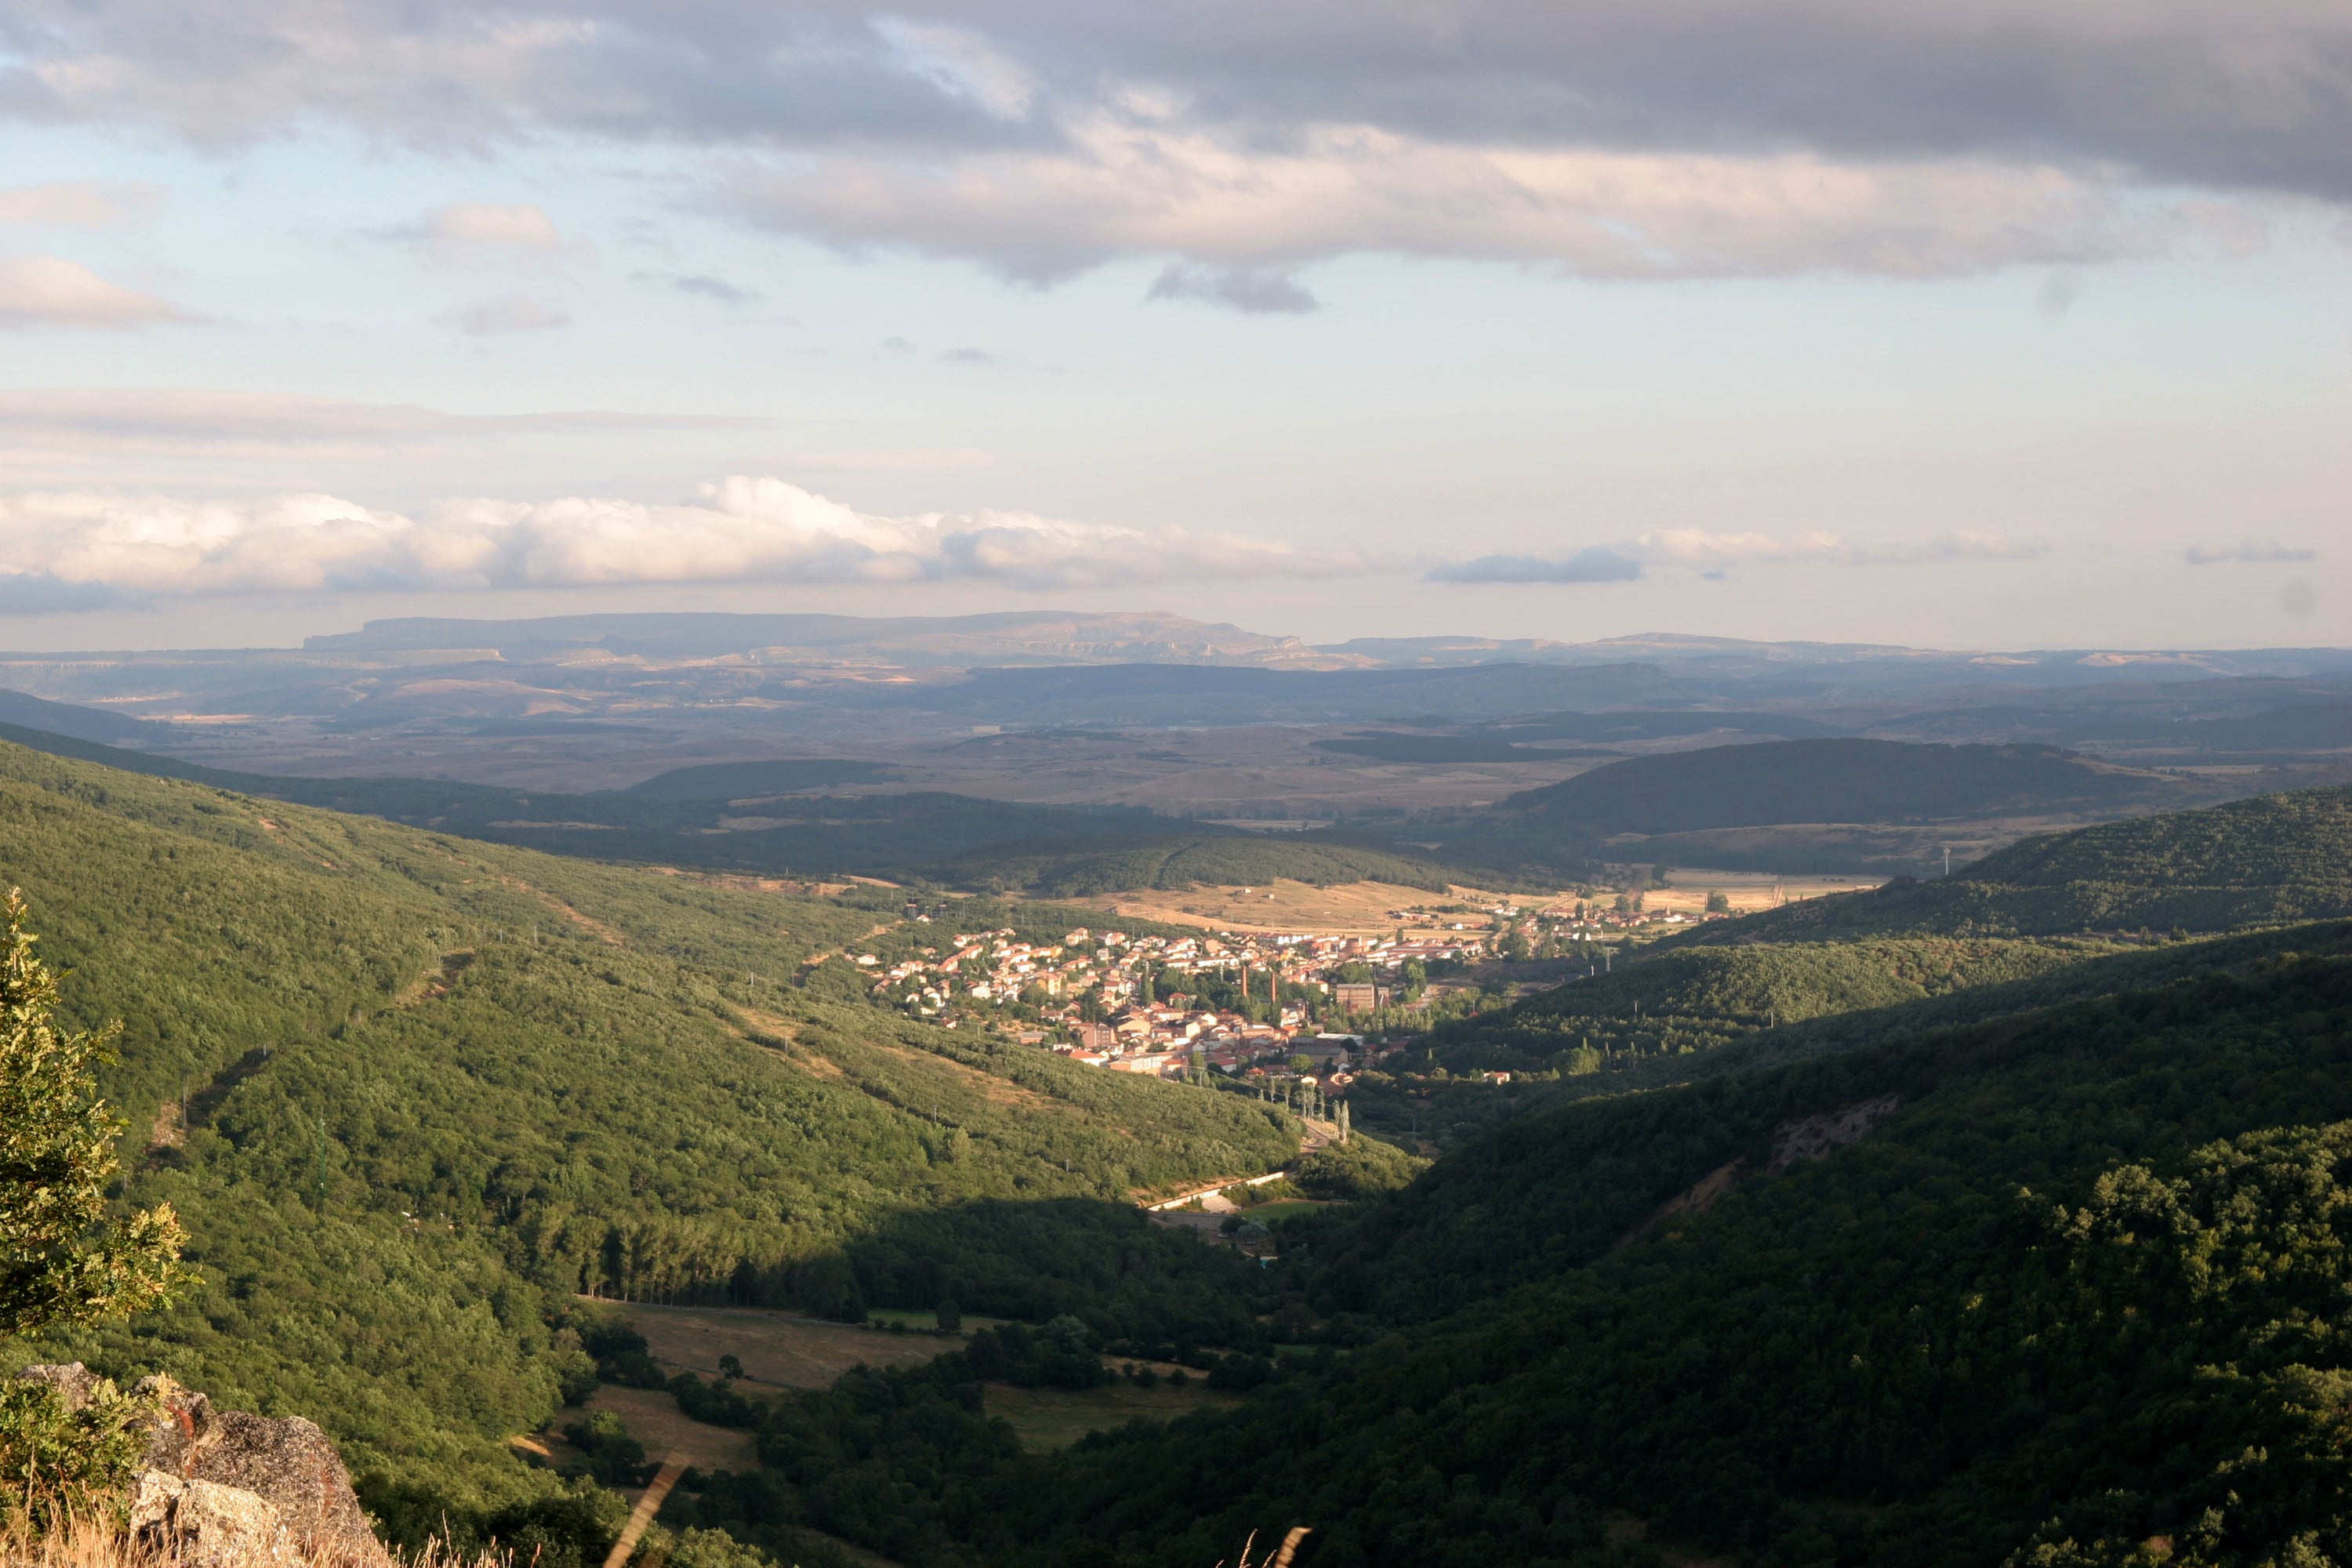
{"x":1046,"y":1419}
{"x":777,"y":1350}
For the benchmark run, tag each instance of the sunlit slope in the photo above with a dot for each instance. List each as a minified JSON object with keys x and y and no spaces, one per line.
{"x":432,"y":1083}
{"x":2273,"y":860}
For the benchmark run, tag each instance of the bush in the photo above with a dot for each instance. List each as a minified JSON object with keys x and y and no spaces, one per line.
{"x":1360,"y":1168}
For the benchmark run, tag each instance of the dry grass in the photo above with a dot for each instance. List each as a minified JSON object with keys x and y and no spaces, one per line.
{"x":83,"y":1542}
{"x":1747,"y":890}
{"x":1357,"y":909}
{"x":651,"y":1415}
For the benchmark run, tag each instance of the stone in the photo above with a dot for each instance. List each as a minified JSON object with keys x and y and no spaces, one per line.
{"x":294,"y":1465}
{"x":202,"y":1524}
{"x":286,"y":1464}
{"x":75,"y":1383}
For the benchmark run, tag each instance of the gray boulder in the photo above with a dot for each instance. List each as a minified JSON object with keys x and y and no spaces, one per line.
{"x":294,"y":1465}
{"x":202,"y":1524}
{"x":243,"y":1464}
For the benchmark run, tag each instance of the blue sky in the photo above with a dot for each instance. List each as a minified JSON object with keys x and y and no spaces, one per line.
{"x":1989,"y":331}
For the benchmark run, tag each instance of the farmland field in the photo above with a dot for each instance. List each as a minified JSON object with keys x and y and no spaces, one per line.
{"x":777,"y":1350}
{"x":1051,"y":1418}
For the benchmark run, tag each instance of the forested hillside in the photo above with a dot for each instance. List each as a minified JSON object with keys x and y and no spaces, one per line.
{"x":1830,"y":780}
{"x":2066,"y":1295}
{"x":1695,"y":999}
{"x":408,"y":1092}
{"x":1083,"y":868}
{"x":2274,"y":860}
{"x":762,"y":817}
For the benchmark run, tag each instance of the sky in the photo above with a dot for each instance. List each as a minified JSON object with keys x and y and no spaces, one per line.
{"x":1989,"y":324}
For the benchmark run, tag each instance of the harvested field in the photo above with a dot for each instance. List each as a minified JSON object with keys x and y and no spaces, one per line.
{"x":777,"y":1350}
{"x":1350,"y":908}
{"x":653,"y":1419}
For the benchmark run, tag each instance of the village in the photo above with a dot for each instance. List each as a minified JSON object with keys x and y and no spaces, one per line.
{"x":1253,"y":1004}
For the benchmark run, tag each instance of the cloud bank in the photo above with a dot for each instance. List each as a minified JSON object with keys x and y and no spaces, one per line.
{"x":175,"y":416}
{"x":2250,"y":552}
{"x":64,"y":549}
{"x":1702,"y":550}
{"x":1240,"y":137}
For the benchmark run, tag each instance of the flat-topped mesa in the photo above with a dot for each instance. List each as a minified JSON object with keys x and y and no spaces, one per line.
{"x":232,"y":1488}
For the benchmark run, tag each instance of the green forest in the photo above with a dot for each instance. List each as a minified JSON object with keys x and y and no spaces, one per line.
{"x":409,"y":1093}
{"x":2075,"y":1299}
{"x":784,"y":817}
{"x":1890,"y":1237}
{"x":2273,"y":860}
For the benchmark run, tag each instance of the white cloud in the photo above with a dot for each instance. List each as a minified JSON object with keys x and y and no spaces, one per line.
{"x":481,"y":231}
{"x":2250,"y":552}
{"x":509,"y":314}
{"x":50,"y":291}
{"x":79,"y":204}
{"x":1699,"y":550}
{"x":1120,"y":188}
{"x":740,"y":530}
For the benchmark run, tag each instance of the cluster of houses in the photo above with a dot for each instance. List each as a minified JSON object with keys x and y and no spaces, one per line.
{"x":1105,"y":997}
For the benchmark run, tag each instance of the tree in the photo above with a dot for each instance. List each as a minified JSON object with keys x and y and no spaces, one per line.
{"x":951,"y":1316}
{"x":60,"y":1262}
{"x":1719,"y":903}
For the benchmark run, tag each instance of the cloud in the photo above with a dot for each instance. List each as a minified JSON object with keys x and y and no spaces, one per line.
{"x":50,"y":291}
{"x":969,"y":356}
{"x":1617,"y":138}
{"x":479,"y":231}
{"x":2250,"y":552}
{"x":896,"y":346}
{"x":1701,"y":548}
{"x":81,"y":204}
{"x":740,"y":530}
{"x":1711,"y":555}
{"x":704,"y":286}
{"x":1255,"y":291}
{"x":1245,"y":215}
{"x":259,"y":420}
{"x":1596,"y":563}
{"x":509,"y":314}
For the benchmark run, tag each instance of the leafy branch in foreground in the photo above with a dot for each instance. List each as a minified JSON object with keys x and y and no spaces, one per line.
{"x":62,"y":1265}
{"x":60,"y":1262}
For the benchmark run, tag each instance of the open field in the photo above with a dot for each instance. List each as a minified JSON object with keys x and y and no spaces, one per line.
{"x":1050,"y":1418}
{"x":1349,"y":909}
{"x":776,"y":1351}
{"x":927,"y":1320}
{"x":1281,"y":1208}
{"x":1747,"y":890}
{"x":653,"y":1419}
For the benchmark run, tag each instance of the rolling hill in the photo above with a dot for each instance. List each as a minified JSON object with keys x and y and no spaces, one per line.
{"x":2060,"y":1289}
{"x":1830,"y":780}
{"x":410,"y":1092}
{"x":774,"y":818}
{"x":2273,"y":860}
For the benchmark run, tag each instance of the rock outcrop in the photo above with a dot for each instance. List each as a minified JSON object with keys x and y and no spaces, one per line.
{"x":225,"y":1488}
{"x":202,"y":1524}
